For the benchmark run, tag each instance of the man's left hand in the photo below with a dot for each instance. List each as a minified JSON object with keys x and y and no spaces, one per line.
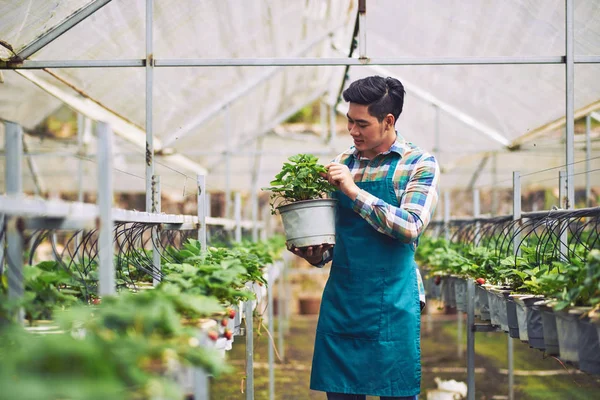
{"x":339,"y":176}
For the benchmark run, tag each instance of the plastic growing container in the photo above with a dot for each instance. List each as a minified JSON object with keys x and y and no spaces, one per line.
{"x":482,"y":304}
{"x":568,"y":336}
{"x":549,"y":327}
{"x":460,"y":290}
{"x":535,"y":330}
{"x":521,"y":316}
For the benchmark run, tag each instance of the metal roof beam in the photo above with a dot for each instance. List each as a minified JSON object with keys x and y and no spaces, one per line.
{"x":123,"y":128}
{"x":55,"y":32}
{"x":267,"y":127}
{"x":447,"y":108}
{"x":218,"y":107}
{"x":553,"y":125}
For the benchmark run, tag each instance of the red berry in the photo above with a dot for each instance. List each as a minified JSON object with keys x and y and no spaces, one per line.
{"x":213,"y":335}
{"x":231,"y":313}
{"x":480,"y":281}
{"x":228,"y":334}
{"x":224,"y":322}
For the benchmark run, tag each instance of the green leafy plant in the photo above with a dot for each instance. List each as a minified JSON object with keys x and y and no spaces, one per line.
{"x":300,"y":179}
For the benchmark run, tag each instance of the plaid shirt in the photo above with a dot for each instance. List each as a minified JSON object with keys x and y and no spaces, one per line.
{"x":415,"y":182}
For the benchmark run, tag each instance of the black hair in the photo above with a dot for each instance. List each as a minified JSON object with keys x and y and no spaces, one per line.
{"x":382,"y":96}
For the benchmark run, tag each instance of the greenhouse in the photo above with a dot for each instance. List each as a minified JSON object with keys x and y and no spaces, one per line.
{"x":154,"y":151}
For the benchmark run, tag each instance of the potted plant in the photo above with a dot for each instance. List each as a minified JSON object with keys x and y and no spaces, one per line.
{"x":299,"y":193}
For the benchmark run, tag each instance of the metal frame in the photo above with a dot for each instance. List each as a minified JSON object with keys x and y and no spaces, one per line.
{"x":105,"y":211}
{"x":60,"y":29}
{"x":296,"y":62}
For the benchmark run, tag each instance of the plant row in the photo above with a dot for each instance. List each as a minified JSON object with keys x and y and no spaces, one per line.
{"x":130,"y":345}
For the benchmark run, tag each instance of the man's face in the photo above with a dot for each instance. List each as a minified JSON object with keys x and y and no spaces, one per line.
{"x":370,"y":136}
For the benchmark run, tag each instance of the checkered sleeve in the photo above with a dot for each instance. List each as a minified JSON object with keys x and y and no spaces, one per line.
{"x":417,"y":203}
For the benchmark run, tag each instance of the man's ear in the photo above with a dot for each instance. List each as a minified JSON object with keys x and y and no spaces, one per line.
{"x":390,"y":121}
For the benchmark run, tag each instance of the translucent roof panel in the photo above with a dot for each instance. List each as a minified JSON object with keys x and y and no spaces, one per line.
{"x":201,"y":113}
{"x":23,"y":21}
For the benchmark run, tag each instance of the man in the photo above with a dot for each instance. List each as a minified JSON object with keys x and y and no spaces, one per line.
{"x":368,"y":335}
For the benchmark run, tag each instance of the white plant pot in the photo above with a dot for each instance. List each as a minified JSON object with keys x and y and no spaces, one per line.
{"x":310,"y":222}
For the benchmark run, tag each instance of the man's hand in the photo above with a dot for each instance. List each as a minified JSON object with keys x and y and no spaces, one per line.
{"x":312,"y":254}
{"x":339,"y":176}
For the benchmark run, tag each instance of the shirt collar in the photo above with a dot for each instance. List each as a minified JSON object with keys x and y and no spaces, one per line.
{"x":400,"y":146}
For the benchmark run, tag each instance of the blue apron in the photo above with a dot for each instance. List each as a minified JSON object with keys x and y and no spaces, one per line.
{"x":368,"y":334}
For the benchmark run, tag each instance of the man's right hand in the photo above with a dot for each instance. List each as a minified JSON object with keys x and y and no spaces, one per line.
{"x":312,"y":254}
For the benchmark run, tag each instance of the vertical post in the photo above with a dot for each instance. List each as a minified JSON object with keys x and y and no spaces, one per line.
{"x":208,"y":213}
{"x":202,"y":210}
{"x":588,"y":156}
{"x":516,"y":252}
{"x":201,"y":381}
{"x":271,"y":281}
{"x":323,"y":116}
{"x":447,"y":215}
{"x":476,"y":214}
{"x":149,"y":104}
{"x":249,"y":350}
{"x":106,"y":268}
{"x":470,"y":339}
{"x":494,"y":210}
{"x":436,"y":132}
{"x":248,"y":311}
{"x":255,"y":190}
{"x":228,"y":133}
{"x":80,"y":131}
{"x":562,"y":227}
{"x":570,"y":101}
{"x":362,"y":28}
{"x":156,"y":206}
{"x":238,"y":216}
{"x":13,"y":147}
{"x":332,"y":124}
{"x":280,"y":311}
{"x":471,"y":310}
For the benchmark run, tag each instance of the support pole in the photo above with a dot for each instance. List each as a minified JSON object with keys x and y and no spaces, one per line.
{"x":562,"y":227}
{"x":516,"y":251}
{"x":270,"y":284}
{"x":280,"y":311}
{"x":106,"y":268}
{"x":255,"y":189}
{"x":248,"y":311}
{"x":570,"y":103}
{"x":149,"y":104}
{"x":238,"y":216}
{"x":436,"y":131}
{"x":80,"y":151}
{"x":494,"y":209}
{"x":227,"y":134}
{"x":202,"y":210}
{"x":471,"y":311}
{"x":362,"y":28}
{"x":156,"y":206}
{"x":588,"y":156}
{"x":201,"y":380}
{"x":13,"y":145}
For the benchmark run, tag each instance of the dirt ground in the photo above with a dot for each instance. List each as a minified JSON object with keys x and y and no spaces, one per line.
{"x":536,"y":376}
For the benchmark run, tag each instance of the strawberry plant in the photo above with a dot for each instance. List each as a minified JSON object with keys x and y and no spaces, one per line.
{"x":300,"y":179}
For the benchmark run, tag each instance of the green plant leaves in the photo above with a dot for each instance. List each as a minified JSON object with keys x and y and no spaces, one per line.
{"x":299,"y":180}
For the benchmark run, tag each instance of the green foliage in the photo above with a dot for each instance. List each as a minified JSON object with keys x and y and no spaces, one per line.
{"x":299,"y":180}
{"x":126,"y":346}
{"x":574,"y":282}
